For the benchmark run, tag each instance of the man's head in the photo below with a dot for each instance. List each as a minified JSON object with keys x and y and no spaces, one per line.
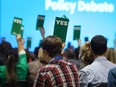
{"x":52,"y":45}
{"x":69,"y":53}
{"x":98,"y":44}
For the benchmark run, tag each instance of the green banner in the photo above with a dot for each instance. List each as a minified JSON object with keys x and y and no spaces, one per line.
{"x":40,"y":22}
{"x":16,"y":26}
{"x":76,"y":33}
{"x":60,"y":28}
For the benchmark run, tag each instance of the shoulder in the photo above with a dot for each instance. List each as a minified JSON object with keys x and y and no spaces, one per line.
{"x":36,"y":62}
{"x":113,"y":71}
{"x":47,"y":68}
{"x":2,"y":68}
{"x":35,"y":65}
{"x":87,"y":76}
{"x":47,"y":71}
{"x":89,"y":70}
{"x":112,"y":77}
{"x":57,"y":66}
{"x":91,"y":66}
{"x":86,"y":71}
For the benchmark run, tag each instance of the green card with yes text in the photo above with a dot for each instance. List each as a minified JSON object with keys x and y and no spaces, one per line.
{"x":60,"y":28}
{"x":17,"y":27}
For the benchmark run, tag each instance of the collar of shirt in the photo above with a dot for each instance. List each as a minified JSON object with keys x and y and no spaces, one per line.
{"x":101,"y":58}
{"x":56,"y":58}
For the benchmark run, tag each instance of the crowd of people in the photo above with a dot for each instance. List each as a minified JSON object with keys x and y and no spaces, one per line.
{"x":50,"y":65}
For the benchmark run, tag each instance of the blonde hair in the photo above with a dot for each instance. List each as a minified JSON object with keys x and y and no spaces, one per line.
{"x":86,"y":54}
{"x":111,"y":55}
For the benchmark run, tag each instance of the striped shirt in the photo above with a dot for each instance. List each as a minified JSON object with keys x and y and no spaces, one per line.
{"x":58,"y":73}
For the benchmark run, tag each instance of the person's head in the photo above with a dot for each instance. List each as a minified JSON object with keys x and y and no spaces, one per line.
{"x":111,"y":55}
{"x":98,"y":45}
{"x":77,"y":50}
{"x":6,"y":45}
{"x":86,"y":55}
{"x":36,"y":51}
{"x":30,"y":56}
{"x":69,"y":53}
{"x":52,"y":46}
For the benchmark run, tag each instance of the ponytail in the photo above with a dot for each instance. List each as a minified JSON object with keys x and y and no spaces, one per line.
{"x":11,"y":68}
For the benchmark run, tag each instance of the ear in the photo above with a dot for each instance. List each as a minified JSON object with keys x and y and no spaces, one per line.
{"x":40,"y":53}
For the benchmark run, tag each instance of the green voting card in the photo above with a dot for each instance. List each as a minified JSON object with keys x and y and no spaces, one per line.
{"x":29,"y":42}
{"x":40,"y":22}
{"x":60,"y":28}
{"x":16,"y":26}
{"x":76,"y":33}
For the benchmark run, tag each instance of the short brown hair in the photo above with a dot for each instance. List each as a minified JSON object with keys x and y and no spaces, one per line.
{"x":53,"y":45}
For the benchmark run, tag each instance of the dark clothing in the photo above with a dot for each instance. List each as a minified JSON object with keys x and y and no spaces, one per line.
{"x":2,"y":59}
{"x":112,"y":78}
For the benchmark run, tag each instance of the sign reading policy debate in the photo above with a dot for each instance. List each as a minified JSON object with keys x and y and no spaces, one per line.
{"x":80,"y":6}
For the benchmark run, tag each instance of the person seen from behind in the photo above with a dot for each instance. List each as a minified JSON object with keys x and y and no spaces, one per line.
{"x":96,"y":73}
{"x":58,"y":72}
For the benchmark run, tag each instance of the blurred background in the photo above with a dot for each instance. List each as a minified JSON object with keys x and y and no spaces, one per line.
{"x":94,"y":16}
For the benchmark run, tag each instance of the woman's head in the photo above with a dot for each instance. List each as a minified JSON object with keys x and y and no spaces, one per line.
{"x":86,"y":54}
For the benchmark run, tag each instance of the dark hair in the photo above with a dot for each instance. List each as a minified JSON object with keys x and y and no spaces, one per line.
{"x":4,"y":48}
{"x":11,"y":69}
{"x":6,"y":45}
{"x":69,"y":52}
{"x":53,"y":45}
{"x":99,"y":44}
{"x":77,"y":53}
{"x":30,"y":56}
{"x":36,"y":50}
{"x":1,"y":48}
{"x":12,"y":58}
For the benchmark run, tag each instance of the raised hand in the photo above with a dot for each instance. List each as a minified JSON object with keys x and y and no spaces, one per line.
{"x":20,"y":42}
{"x":42,"y":31}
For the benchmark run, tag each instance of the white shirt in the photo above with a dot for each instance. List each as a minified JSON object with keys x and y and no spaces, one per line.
{"x":95,"y":73}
